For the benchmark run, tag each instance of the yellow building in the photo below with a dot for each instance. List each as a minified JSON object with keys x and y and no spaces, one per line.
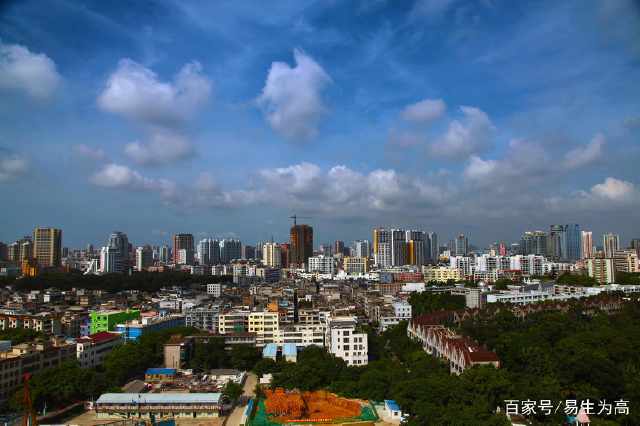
{"x":355,"y":265}
{"x":47,"y":247}
{"x":441,"y":274}
{"x":265,"y":325}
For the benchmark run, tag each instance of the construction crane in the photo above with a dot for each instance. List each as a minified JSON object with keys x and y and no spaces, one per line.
{"x":30,"y":417}
{"x":296,"y":217}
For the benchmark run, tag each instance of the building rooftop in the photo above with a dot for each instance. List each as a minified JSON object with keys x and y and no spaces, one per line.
{"x":392,"y":405}
{"x":103,"y":336}
{"x":289,"y":349}
{"x":270,"y":350}
{"x":166,"y":371}
{"x":158,"y":398}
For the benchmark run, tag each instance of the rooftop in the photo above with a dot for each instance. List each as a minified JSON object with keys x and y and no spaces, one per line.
{"x":166,"y":371}
{"x":158,"y":398}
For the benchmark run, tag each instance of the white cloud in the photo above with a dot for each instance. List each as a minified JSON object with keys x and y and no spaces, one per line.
{"x":164,"y":146}
{"x":465,"y":137}
{"x":135,"y":92}
{"x":424,"y":111}
{"x":12,"y":167}
{"x":291,"y":99}
{"x":21,"y":69}
{"x":118,"y":176}
{"x":479,"y":169}
{"x":405,"y":138}
{"x":92,"y":153}
{"x":585,"y":155}
{"x":611,"y":194}
{"x":614,"y":189}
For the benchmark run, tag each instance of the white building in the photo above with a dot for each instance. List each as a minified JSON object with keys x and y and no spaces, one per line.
{"x":322,"y":264}
{"x":214,"y":289}
{"x":92,"y":350}
{"x":272,"y":255}
{"x":110,"y":260}
{"x":144,"y":258}
{"x":344,"y":342}
{"x":203,"y":317}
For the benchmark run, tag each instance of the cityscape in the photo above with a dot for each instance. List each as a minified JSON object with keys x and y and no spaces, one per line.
{"x":364,"y":213}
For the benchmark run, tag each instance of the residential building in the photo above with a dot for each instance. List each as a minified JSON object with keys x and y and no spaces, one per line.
{"x":214,"y":289}
{"x":271,"y":255}
{"x":203,"y":317}
{"x":43,"y":322}
{"x":144,"y":257}
{"x":91,"y":350}
{"x":355,"y":265}
{"x":587,"y":244}
{"x":626,"y":261}
{"x":30,"y":358}
{"x":603,"y":270}
{"x":382,"y":253}
{"x":322,"y":264}
{"x":416,"y":248}
{"x":461,"y":245}
{"x":361,"y":248}
{"x":345,"y":342}
{"x":441,"y":274}
{"x":47,"y":247}
{"x":610,"y":244}
{"x":230,"y":249}
{"x":209,"y":252}
{"x":534,"y":242}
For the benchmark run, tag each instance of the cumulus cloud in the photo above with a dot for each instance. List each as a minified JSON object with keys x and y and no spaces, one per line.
{"x":465,"y":137}
{"x":92,"y":153}
{"x":12,"y":166}
{"x":135,"y":92}
{"x":585,"y":155}
{"x":23,"y":70}
{"x":424,"y":111}
{"x":164,"y":146}
{"x":605,"y":196}
{"x":522,"y":160}
{"x":291,"y":99}
{"x":118,"y":176}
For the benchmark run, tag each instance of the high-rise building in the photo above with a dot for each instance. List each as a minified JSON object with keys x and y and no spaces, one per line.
{"x":4,"y":252}
{"x":554,"y":245}
{"x":110,"y":260}
{"x":47,"y":247}
{"x":587,"y":244}
{"x":182,"y":242}
{"x":163,"y":255}
{"x":626,"y":261}
{"x":271,"y":255}
{"x":382,"y":248}
{"x":610,"y":244}
{"x":248,"y":252}
{"x":635,"y":244}
{"x":144,"y":257}
{"x":534,"y":242}
{"x":398,"y":247}
{"x":301,"y":249}
{"x":119,"y":242}
{"x":416,"y":247}
{"x":338,"y":247}
{"x":603,"y":270}
{"x":571,"y":242}
{"x":435,"y":248}
{"x":361,"y":248}
{"x":230,"y":249}
{"x":209,"y":252}
{"x":461,"y":245}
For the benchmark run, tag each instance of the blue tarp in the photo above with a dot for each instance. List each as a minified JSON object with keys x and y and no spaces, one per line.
{"x":165,"y":371}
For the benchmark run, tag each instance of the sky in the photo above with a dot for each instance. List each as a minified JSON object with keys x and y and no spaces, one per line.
{"x":224,"y":118}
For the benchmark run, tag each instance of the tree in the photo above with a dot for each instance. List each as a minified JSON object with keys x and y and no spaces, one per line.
{"x":232,"y":390}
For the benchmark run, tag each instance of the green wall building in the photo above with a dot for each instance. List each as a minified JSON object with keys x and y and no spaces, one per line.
{"x":107,"y":320}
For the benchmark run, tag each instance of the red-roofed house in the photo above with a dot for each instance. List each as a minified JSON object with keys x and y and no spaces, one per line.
{"x":92,"y":349}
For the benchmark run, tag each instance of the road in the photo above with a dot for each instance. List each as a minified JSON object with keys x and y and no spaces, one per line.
{"x":248,"y":392}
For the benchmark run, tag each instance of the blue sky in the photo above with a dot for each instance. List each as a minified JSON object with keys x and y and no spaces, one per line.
{"x":221,"y":119}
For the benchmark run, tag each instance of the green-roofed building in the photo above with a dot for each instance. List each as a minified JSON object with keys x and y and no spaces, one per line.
{"x":107,"y":320}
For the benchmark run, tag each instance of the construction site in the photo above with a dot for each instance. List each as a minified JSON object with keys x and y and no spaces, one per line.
{"x":319,"y":407}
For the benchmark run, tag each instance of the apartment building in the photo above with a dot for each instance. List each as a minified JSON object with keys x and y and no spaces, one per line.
{"x":43,"y":322}
{"x":203,"y":317}
{"x":343,"y":341}
{"x":30,"y":358}
{"x":91,"y":350}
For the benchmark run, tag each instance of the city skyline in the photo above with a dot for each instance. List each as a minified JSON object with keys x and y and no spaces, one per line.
{"x":178,"y":117}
